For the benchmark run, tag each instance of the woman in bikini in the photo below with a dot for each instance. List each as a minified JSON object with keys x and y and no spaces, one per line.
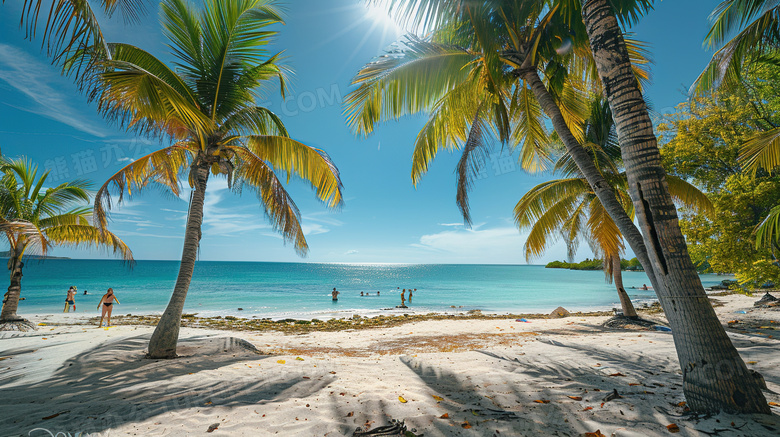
{"x":107,"y":301}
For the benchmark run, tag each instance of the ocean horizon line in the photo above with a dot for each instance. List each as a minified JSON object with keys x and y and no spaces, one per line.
{"x":356,"y":263}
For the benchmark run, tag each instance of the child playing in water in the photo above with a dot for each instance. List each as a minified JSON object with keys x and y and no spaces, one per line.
{"x":108,"y":302}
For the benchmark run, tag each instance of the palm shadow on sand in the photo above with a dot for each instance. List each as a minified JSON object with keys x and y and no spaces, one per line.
{"x":113,"y":384}
{"x":505,"y":400}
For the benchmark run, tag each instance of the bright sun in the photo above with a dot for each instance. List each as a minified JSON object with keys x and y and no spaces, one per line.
{"x":378,"y":14}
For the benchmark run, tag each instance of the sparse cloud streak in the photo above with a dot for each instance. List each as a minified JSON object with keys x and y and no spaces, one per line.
{"x":34,"y":79}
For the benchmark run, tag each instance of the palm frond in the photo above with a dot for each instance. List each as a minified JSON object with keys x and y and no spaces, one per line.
{"x":690,"y":196}
{"x":233,"y":41}
{"x":759,"y":21}
{"x":530,"y":131}
{"x":471,"y":161}
{"x":571,"y":230}
{"x":423,"y":15}
{"x":308,"y":163}
{"x":33,"y":236}
{"x":77,"y":216}
{"x":603,"y":232}
{"x":447,"y":127}
{"x":183,"y":30}
{"x":61,"y":197}
{"x":404,"y":82}
{"x":546,"y":216}
{"x":255,"y":120}
{"x":768,"y":231}
{"x":140,"y":91}
{"x":544,"y":196}
{"x":277,"y":203}
{"x":639,"y":54}
{"x":730,"y":15}
{"x":761,"y":151}
{"x":162,"y":167}
{"x":80,"y":235}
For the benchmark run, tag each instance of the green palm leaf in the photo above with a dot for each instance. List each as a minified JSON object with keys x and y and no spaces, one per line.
{"x":530,"y":131}
{"x":33,"y":221}
{"x":447,"y":127}
{"x":295,"y":158}
{"x":255,"y":120}
{"x":768,"y":231}
{"x":758,"y":23}
{"x":140,"y":90}
{"x":277,"y":203}
{"x":163,"y":167}
{"x":469,"y":165}
{"x":85,"y":235}
{"x":72,"y":27}
{"x":690,"y":196}
{"x":761,"y":151}
{"x":404,"y":82}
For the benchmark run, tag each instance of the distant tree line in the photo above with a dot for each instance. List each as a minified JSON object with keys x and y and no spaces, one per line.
{"x":594,"y":264}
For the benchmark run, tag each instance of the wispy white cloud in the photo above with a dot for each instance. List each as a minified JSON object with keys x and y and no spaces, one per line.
{"x":124,"y":234}
{"x":35,"y":79}
{"x":141,"y":223}
{"x":313,"y":229}
{"x":500,"y":244}
{"x":322,"y":217}
{"x":469,"y":241}
{"x":352,"y":252}
{"x":220,"y":220}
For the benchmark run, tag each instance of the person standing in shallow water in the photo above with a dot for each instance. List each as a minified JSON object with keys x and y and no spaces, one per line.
{"x":335,"y":295}
{"x":70,"y":299}
{"x":107,"y":302}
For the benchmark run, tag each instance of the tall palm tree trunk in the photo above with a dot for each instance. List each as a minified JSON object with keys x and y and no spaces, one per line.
{"x":166,"y":334}
{"x":600,"y":186}
{"x":714,"y":376}
{"x":625,"y":301}
{"x":11,"y":301}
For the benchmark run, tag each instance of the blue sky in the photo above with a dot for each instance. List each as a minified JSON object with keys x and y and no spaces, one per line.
{"x":385,"y":218}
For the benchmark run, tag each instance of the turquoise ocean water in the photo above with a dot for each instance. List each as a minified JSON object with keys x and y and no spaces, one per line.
{"x":302,"y":290}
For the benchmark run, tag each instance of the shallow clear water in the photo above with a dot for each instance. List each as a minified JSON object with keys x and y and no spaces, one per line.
{"x":302,"y":290}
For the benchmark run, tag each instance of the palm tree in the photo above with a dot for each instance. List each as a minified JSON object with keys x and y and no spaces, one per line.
{"x":569,"y":208}
{"x":206,"y":106}
{"x":660,"y":247}
{"x":472,"y":76}
{"x":700,"y":339}
{"x":34,"y":218}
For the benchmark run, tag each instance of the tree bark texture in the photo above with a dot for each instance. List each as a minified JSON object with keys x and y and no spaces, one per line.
{"x":714,"y":376}
{"x":600,"y":186}
{"x":11,"y":301}
{"x":166,"y":334}
{"x":625,"y":301}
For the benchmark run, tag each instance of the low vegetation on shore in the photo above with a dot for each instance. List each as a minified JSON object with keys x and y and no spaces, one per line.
{"x":594,"y":264}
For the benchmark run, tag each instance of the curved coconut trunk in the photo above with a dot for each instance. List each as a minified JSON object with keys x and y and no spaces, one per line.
{"x":714,"y":376}
{"x":166,"y":334}
{"x":11,"y":301}
{"x":584,"y":162}
{"x":625,"y":301}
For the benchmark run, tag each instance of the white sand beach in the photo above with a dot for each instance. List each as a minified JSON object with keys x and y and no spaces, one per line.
{"x":452,"y":377}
